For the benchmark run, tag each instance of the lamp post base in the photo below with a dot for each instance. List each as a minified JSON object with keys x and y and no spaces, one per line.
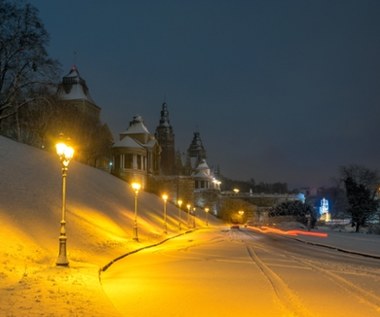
{"x":136,"y":234}
{"x":166,"y":229}
{"x":62,"y":257}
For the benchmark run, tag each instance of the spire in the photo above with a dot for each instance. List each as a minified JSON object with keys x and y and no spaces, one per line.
{"x":165,"y":137}
{"x":164,"y":120}
{"x":196,"y":148}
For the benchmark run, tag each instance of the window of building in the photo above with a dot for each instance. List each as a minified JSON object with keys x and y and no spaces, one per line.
{"x":139,"y":162}
{"x":128,"y":160}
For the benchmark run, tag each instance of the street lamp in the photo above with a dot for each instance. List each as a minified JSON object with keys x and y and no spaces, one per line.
{"x":206,"y":210}
{"x":188,"y":214}
{"x":179,"y":202}
{"x":236,"y":190}
{"x":194,"y":224}
{"x":65,"y":153}
{"x":136,"y":187}
{"x":165,"y":198}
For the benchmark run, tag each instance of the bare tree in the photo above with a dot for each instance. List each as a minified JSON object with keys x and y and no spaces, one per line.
{"x":24,"y":62}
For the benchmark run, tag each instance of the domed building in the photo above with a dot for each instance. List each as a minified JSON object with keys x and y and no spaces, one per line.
{"x":206,"y":187}
{"x":202,"y":176}
{"x":136,"y":155}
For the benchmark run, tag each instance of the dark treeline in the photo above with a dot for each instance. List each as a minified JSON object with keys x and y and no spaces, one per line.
{"x":247,"y":186}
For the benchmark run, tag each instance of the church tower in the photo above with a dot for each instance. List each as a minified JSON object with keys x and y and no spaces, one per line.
{"x":165,"y":137}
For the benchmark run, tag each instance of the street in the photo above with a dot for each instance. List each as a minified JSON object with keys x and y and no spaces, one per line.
{"x":224,"y":272}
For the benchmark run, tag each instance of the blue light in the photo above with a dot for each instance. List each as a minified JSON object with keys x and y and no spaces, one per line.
{"x":324,"y":206}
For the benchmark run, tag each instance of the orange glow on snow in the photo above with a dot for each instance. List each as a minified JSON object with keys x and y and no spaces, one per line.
{"x":264,"y":229}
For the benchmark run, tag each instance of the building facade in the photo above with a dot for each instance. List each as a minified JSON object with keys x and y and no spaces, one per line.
{"x":151,"y":160}
{"x":136,"y":156}
{"x":81,"y":121}
{"x":73,"y":90}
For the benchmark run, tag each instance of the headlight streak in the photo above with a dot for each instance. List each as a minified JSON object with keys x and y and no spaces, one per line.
{"x":265,"y":229}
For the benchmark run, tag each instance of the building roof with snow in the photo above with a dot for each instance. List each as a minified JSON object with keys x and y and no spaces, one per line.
{"x":136,"y":126}
{"x":202,"y":170}
{"x":128,"y":142}
{"x":73,"y":90}
{"x":74,"y":87}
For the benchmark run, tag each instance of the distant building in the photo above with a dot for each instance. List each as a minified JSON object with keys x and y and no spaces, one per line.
{"x":151,"y":160}
{"x":203,"y":177}
{"x":74,"y":93}
{"x":206,"y":187}
{"x":73,"y":90}
{"x":136,"y":156}
{"x":195,"y":152}
{"x":165,"y":137}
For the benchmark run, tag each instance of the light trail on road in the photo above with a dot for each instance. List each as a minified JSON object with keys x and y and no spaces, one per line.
{"x":219,"y":272}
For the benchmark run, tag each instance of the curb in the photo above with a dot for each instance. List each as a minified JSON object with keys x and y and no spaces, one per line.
{"x":105,"y":267}
{"x":339,"y":249}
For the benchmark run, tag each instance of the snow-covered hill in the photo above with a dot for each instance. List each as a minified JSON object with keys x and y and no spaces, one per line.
{"x":100,"y":211}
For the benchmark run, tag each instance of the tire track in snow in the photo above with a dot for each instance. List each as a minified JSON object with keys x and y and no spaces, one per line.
{"x":360,"y":293}
{"x":285,"y":296}
{"x":363,"y":296}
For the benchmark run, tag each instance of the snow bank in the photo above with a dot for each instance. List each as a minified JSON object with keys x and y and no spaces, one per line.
{"x":100,"y":211}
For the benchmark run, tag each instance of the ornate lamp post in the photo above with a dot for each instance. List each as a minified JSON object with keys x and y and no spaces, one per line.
{"x":188,"y":214}
{"x":165,"y":198}
{"x":179,"y":202}
{"x":207,"y":210}
{"x":65,"y":154}
{"x":136,"y":187}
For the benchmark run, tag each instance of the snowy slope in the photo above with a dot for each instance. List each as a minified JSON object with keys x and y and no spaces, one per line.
{"x":100,"y":211}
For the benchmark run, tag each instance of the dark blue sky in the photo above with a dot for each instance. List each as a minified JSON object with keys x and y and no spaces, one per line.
{"x":279,"y":90}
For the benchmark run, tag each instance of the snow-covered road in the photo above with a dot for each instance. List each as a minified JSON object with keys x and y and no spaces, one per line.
{"x":221,"y":272}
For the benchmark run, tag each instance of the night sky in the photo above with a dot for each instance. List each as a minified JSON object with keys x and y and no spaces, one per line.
{"x":281,"y":90}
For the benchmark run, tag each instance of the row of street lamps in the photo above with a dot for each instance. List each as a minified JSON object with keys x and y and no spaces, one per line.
{"x":66,"y":153}
{"x":136,"y":188}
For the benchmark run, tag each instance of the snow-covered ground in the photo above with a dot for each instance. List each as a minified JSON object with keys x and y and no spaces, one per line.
{"x":361,"y":243}
{"x":345,"y":240}
{"x":99,"y":229}
{"x":221,"y":272}
{"x":100,"y":213}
